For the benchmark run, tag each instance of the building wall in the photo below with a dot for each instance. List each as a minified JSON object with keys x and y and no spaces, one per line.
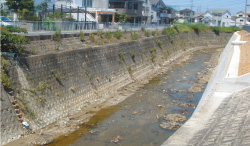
{"x":103,"y":4}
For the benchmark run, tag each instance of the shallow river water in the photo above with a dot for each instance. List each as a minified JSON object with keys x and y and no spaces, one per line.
{"x":136,"y":121}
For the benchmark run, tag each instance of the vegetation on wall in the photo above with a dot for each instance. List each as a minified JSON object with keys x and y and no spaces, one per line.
{"x":56,"y":36}
{"x":12,"y":42}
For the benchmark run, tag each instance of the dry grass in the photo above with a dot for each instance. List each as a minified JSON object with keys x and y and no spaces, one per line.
{"x":244,"y":64}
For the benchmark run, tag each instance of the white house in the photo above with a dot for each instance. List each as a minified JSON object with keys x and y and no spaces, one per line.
{"x":217,"y":17}
{"x":240,"y":20}
{"x":97,"y":9}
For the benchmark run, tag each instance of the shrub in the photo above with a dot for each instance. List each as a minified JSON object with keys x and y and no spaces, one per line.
{"x":56,"y":36}
{"x":182,"y":28}
{"x":34,"y":51}
{"x":11,"y":42}
{"x":159,"y":42}
{"x":200,"y":28}
{"x":216,"y":30}
{"x":153,"y":33}
{"x":229,"y":29}
{"x":118,"y":34}
{"x":5,"y":79}
{"x":81,"y":36}
{"x":99,"y":33}
{"x":168,"y":31}
{"x":134,"y":36}
{"x":108,"y":35}
{"x":132,"y":54}
{"x":146,"y":33}
{"x":142,"y":28}
{"x":92,"y":37}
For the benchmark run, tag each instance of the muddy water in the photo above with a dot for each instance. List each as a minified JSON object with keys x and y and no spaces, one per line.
{"x":136,"y":121}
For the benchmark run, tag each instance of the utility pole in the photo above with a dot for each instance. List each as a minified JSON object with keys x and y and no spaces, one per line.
{"x":191,"y":10}
{"x":246,"y":13}
{"x":85,"y":14}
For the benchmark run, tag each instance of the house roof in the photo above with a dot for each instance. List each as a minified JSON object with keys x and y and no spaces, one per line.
{"x":218,"y":11}
{"x":248,"y":12}
{"x":197,"y":14}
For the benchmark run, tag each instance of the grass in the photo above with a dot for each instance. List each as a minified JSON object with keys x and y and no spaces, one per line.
{"x":118,"y":34}
{"x":99,"y":33}
{"x":92,"y":37}
{"x":134,"y":36}
{"x":182,"y":28}
{"x":159,"y":42}
{"x":132,"y":54}
{"x":146,"y":33}
{"x":153,"y":33}
{"x":168,"y":31}
{"x":56,"y":36}
{"x":81,"y":36}
{"x":108,"y":35}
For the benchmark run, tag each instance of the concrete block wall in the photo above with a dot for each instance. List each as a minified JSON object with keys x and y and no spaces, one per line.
{"x":10,"y":126}
{"x":62,"y":83}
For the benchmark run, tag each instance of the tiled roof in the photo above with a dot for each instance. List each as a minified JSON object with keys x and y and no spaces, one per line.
{"x":218,"y":10}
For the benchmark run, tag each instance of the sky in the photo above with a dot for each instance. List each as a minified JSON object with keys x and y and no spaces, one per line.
{"x":233,"y":6}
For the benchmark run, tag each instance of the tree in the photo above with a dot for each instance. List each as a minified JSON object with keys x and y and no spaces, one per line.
{"x":42,"y":8}
{"x":25,"y":9}
{"x":20,"y":4}
{"x":123,"y":17}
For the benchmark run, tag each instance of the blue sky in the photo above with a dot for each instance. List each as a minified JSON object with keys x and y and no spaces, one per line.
{"x":202,"y":5}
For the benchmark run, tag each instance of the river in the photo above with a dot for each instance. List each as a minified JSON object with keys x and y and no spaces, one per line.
{"x":136,"y":121}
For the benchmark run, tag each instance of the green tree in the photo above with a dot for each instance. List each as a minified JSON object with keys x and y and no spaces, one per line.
{"x":123,"y":17}
{"x":16,"y":5}
{"x":25,"y":9}
{"x":3,"y":11}
{"x":42,"y":8}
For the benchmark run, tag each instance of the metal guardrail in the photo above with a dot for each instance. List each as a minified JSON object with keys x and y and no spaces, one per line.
{"x":38,"y":26}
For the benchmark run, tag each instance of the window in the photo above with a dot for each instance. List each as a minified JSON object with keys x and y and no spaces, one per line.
{"x":88,"y":3}
{"x":136,"y":6}
{"x":241,"y":20}
{"x":248,"y":15}
{"x":130,"y":5}
{"x":240,"y":15}
{"x":117,"y":5}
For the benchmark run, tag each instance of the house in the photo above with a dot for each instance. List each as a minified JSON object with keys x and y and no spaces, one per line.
{"x":132,"y":8}
{"x":185,"y":16}
{"x":97,"y":10}
{"x":240,"y":20}
{"x":165,"y":14}
{"x":146,"y":12}
{"x":198,"y":16}
{"x":217,"y":17}
{"x":154,"y":19}
{"x":233,"y":20}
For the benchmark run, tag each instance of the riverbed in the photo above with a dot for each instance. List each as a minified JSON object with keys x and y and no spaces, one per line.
{"x":136,"y":121}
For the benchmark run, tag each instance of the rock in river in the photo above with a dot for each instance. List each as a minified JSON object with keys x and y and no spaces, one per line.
{"x":170,"y":125}
{"x":175,"y":118}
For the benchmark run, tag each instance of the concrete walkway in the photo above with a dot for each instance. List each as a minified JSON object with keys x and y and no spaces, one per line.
{"x":223,"y":114}
{"x":229,"y":124}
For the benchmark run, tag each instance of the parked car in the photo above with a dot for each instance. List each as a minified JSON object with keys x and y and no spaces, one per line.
{"x":5,"y":21}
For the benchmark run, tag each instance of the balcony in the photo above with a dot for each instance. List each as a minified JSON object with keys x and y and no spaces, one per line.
{"x":166,"y":15}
